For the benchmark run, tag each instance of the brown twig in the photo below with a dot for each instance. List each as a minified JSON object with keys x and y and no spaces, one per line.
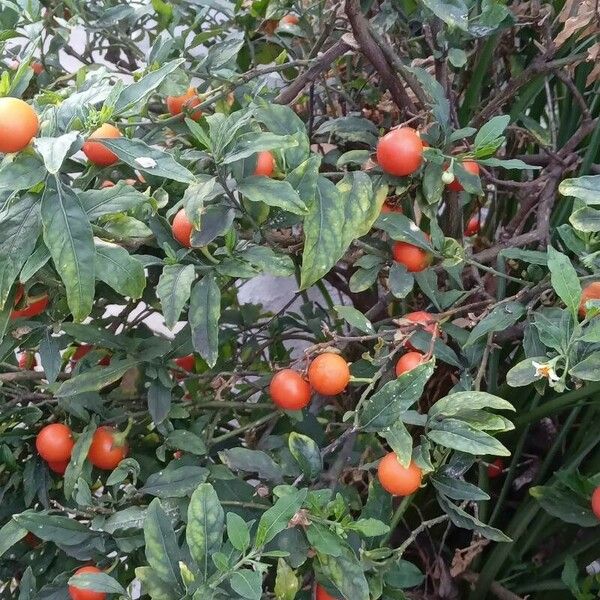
{"x":289,"y":93}
{"x":374,"y":54}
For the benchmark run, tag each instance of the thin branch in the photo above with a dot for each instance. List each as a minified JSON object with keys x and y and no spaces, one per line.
{"x":289,"y":93}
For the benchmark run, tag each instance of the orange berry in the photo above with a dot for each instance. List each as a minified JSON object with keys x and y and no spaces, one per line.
{"x":96,"y":152}
{"x":18,"y":124}
{"x":409,"y":361}
{"x":265,"y":164}
{"x":289,"y":390}
{"x":400,"y":152}
{"x":396,"y":479}
{"x":182,"y":229}
{"x":329,"y":374}
{"x":184,"y":103}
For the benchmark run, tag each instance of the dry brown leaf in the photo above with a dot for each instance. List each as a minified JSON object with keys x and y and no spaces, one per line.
{"x":464,"y":557}
{"x":594,"y":56}
{"x":578,"y":17}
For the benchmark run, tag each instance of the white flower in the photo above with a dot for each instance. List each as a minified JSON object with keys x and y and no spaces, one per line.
{"x":146,"y":162}
{"x":545,"y":370}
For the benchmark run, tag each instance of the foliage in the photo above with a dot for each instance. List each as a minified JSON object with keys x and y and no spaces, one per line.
{"x":222,"y":494}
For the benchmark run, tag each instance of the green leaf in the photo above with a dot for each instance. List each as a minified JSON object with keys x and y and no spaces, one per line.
{"x":68,"y":237}
{"x":276,"y":519}
{"x":10,"y":534}
{"x":401,"y":228}
{"x":585,"y":219}
{"x":247,"y":584}
{"x":457,"y":489}
{"x":162,"y":550}
{"x":268,"y":261}
{"x":457,"y":57}
{"x":433,"y":186}
{"x":363,"y":279}
{"x":252,"y":143}
{"x":322,"y":225}
{"x":95,"y":379}
{"x":283,"y":120}
{"x":273,"y":193}
{"x":440,"y":106}
{"x":369,"y":527}
{"x":585,"y":188}
{"x":531,"y":256}
{"x":361,"y":204}
{"x":511,"y":163}
{"x":22,"y":173}
{"x":99,"y":582}
{"x":355,"y":318}
{"x":499,"y":319}
{"x":119,"y":198}
{"x":216,"y":221}
{"x":306,"y":453}
{"x":461,"y":518}
{"x":173,"y":290}
{"x":175,"y":483}
{"x":524,"y":373}
{"x":323,"y":540}
{"x":50,"y":356}
{"x":588,"y":369}
{"x":139,"y":90}
{"x":564,"y":279}
{"x":182,"y":439}
{"x":237,"y":532}
{"x":385,"y":407}
{"x":138,"y":155}
{"x":119,"y":270}
{"x":54,"y":150}
{"x":400,"y":441}
{"x":203,"y":316}
{"x":154,"y":586}
{"x":346,"y":573}
{"x":78,"y":456}
{"x":564,"y":505}
{"x":458,"y":435}
{"x":129,"y":518}
{"x":197,"y":195}
{"x":403,"y":575}
{"x":286,"y":582}
{"x":54,"y":528}
{"x":159,"y":401}
{"x":304,"y":179}
{"x":252,"y":461}
{"x":205,"y":526}
{"x":20,"y":227}
{"x":401,"y":282}
{"x":491,"y":131}
{"x":453,"y":12}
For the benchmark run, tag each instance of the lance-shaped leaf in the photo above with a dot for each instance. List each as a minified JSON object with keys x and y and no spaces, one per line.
{"x":95,"y":379}
{"x":346,"y":573}
{"x":273,"y":193}
{"x":203,"y":315}
{"x":119,"y":269}
{"x":322,"y":225}
{"x":138,"y":155}
{"x":119,"y":198}
{"x":385,"y":407}
{"x":564,"y":279}
{"x":20,"y":227}
{"x":276,"y":519}
{"x":173,"y":290}
{"x":205,"y":526}
{"x":78,"y":456}
{"x":139,"y":90}
{"x":162,"y":551}
{"x":458,"y":435}
{"x":68,"y":237}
